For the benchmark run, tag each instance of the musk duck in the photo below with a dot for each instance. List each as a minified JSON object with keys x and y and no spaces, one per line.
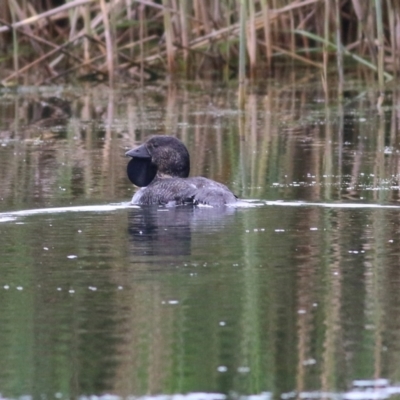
{"x":160,"y":167}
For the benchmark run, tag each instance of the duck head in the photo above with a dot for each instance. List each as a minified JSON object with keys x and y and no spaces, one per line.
{"x":162,"y":156}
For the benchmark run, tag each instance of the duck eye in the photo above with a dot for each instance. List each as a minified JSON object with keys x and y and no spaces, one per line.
{"x":155,"y":145}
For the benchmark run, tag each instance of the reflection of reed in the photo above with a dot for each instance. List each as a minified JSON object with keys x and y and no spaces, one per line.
{"x":299,"y":303}
{"x":332,"y":354}
{"x":149,"y":329}
{"x":351,"y":295}
{"x":282,"y":142}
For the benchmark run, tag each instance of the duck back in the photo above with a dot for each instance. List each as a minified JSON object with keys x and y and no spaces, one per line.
{"x":178,"y":191}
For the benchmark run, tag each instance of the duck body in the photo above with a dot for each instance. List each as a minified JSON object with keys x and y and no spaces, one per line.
{"x":179,"y":191}
{"x":161,"y":166}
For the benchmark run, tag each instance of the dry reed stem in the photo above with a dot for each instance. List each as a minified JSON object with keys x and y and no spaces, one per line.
{"x":297,"y":57}
{"x":90,"y":63}
{"x":56,"y":49}
{"x":109,"y":44}
{"x":339,"y":51}
{"x":392,"y":33}
{"x":141,"y":36}
{"x":361,"y":8}
{"x":169,"y":38}
{"x":357,"y":58}
{"x":234,"y":28}
{"x":252,"y":40}
{"x":30,"y":65}
{"x":200,"y":25}
{"x":267,"y":30}
{"x":16,"y":9}
{"x":163,"y":7}
{"x":46,"y":14}
{"x":88,"y":32}
{"x":242,"y":54}
{"x":184,"y":36}
{"x":325,"y":46}
{"x":380,"y":45}
{"x":44,"y":41}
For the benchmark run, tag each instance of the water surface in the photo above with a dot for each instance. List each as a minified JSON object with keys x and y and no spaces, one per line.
{"x":293,"y":294}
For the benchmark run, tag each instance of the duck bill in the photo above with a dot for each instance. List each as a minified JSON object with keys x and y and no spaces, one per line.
{"x":139,"y":152}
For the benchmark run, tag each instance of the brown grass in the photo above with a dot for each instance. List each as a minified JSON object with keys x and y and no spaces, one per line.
{"x":140,"y":40}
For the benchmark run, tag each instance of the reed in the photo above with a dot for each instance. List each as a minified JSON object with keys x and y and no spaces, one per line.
{"x":267,"y":31}
{"x":108,"y":41}
{"x":251,"y":39}
{"x":197,"y":38}
{"x":393,"y":39}
{"x":168,"y":32}
{"x":15,"y":41}
{"x":339,"y":50}
{"x":380,"y":44}
{"x":242,"y":55}
{"x":325,"y":54}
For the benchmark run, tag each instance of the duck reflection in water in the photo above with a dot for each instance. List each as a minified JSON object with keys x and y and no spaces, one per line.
{"x":167,"y":231}
{"x":161,"y":167}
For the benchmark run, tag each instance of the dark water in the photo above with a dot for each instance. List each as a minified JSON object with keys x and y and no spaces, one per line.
{"x":270,"y":299}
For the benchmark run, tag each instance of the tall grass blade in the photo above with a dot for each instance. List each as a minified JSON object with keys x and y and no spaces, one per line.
{"x":109,"y":43}
{"x":252,"y":40}
{"x":15,"y":42}
{"x":397,"y":37}
{"x":215,"y":34}
{"x":169,"y":37}
{"x":226,"y":73}
{"x":361,"y":8}
{"x":346,"y":52}
{"x":327,"y":13}
{"x":47,"y":14}
{"x":392,"y":32}
{"x":267,"y":30}
{"x":339,"y":50}
{"x":88,"y":32}
{"x":380,"y":43}
{"x":242,"y":54}
{"x":141,"y":38}
{"x":184,"y":36}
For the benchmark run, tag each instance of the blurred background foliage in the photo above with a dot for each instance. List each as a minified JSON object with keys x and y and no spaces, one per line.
{"x":137,"y":41}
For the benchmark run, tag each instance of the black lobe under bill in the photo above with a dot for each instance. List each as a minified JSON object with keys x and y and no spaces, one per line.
{"x":141,"y":171}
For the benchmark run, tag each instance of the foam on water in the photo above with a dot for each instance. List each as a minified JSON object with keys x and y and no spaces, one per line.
{"x":282,"y":203}
{"x":13,"y":215}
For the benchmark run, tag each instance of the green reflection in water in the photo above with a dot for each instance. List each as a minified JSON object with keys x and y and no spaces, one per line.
{"x":133,"y":301}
